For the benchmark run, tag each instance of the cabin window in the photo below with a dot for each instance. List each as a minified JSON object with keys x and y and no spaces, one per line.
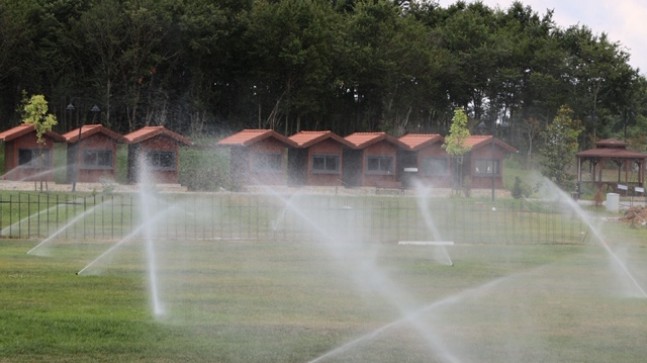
{"x":436,"y":166}
{"x":97,"y":159}
{"x":161,"y":160}
{"x":268,"y":162}
{"x":379,"y":165}
{"x":325,"y":164}
{"x":486,"y":167}
{"x":34,"y":158}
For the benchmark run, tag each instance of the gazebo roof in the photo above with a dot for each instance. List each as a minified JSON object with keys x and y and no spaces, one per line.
{"x":611,"y":149}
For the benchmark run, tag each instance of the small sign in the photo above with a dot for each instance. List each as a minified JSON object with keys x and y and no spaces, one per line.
{"x":622,"y":187}
{"x":639,"y":189}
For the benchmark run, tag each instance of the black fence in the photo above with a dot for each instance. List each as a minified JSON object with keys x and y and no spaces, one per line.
{"x":225,"y":216}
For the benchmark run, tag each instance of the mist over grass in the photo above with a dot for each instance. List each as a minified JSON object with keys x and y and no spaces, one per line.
{"x":285,"y":301}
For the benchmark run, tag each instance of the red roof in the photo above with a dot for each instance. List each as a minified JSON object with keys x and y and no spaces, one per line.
{"x":306,"y":139}
{"x":415,"y":142}
{"x":25,"y":129}
{"x":148,"y":132}
{"x":614,"y":143}
{"x":89,"y":130}
{"x":611,"y":153}
{"x":361,"y":140}
{"x":611,"y":149}
{"x":479,"y":141}
{"x":251,"y":136}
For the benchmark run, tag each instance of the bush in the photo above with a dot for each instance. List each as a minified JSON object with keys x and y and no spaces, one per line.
{"x":520,"y":189}
{"x":205,"y":169}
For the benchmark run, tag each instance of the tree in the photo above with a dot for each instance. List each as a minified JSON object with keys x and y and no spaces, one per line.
{"x":35,"y":114}
{"x":455,"y":144}
{"x":560,"y":146}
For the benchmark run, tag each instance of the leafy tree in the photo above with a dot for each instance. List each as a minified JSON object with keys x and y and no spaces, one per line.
{"x":293,"y":45}
{"x":560,"y":146}
{"x":455,"y":144}
{"x":35,"y":113}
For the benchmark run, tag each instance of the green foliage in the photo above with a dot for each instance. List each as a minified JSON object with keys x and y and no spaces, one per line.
{"x":520,"y":189}
{"x":205,"y":169}
{"x":35,"y":114}
{"x":455,"y":145}
{"x":458,"y":134}
{"x":560,"y":146}
{"x":200,"y":65}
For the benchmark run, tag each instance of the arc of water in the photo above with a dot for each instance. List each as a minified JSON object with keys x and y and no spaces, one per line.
{"x":389,"y":290}
{"x":163,"y":213}
{"x":69,"y":224}
{"x":412,"y":317}
{"x":17,"y":169}
{"x":423,"y":205}
{"x":597,"y":233}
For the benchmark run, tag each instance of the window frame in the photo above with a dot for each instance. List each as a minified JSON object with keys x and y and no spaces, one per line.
{"x":96,"y":164}
{"x":268,"y":162}
{"x":34,"y":153}
{"x":484,"y":164}
{"x":154,"y":160}
{"x":327,"y":158}
{"x":381,"y":169}
{"x":429,"y":171}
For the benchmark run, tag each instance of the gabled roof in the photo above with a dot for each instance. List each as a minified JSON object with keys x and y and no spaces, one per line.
{"x":479,"y":141}
{"x":611,"y":143}
{"x":305,"y":139}
{"x":611,"y":153}
{"x":89,"y":130}
{"x":25,"y":129}
{"x":414,"y":142}
{"x":248,"y":137}
{"x":148,"y":132}
{"x":361,"y":140}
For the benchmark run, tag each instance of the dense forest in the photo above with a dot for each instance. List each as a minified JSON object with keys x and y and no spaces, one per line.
{"x":204,"y":67}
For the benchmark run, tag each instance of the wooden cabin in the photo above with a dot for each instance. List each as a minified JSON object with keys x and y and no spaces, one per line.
{"x":258,"y":157}
{"x":483,"y":164}
{"x":372,"y":161}
{"x":318,"y":158}
{"x":424,"y":160}
{"x":25,"y":158}
{"x":159,"y":148}
{"x":92,"y":153}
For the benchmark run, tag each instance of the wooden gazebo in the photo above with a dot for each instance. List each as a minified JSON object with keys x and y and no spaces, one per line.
{"x":611,"y":166}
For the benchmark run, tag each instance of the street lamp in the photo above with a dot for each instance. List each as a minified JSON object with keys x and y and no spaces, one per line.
{"x":77,"y":168}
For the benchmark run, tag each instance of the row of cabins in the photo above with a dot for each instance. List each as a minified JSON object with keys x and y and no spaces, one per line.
{"x":318,"y":158}
{"x":91,"y":153}
{"x":362,"y":159}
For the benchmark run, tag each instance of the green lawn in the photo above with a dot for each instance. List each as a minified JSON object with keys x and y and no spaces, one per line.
{"x":278,"y":301}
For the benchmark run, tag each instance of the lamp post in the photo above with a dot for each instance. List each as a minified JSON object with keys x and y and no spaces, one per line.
{"x":77,"y":168}
{"x":494,"y":169}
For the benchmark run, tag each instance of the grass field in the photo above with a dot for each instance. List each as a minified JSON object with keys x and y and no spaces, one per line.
{"x":302,"y":301}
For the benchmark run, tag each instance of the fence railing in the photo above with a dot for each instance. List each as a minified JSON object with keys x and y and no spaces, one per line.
{"x":224,"y":216}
